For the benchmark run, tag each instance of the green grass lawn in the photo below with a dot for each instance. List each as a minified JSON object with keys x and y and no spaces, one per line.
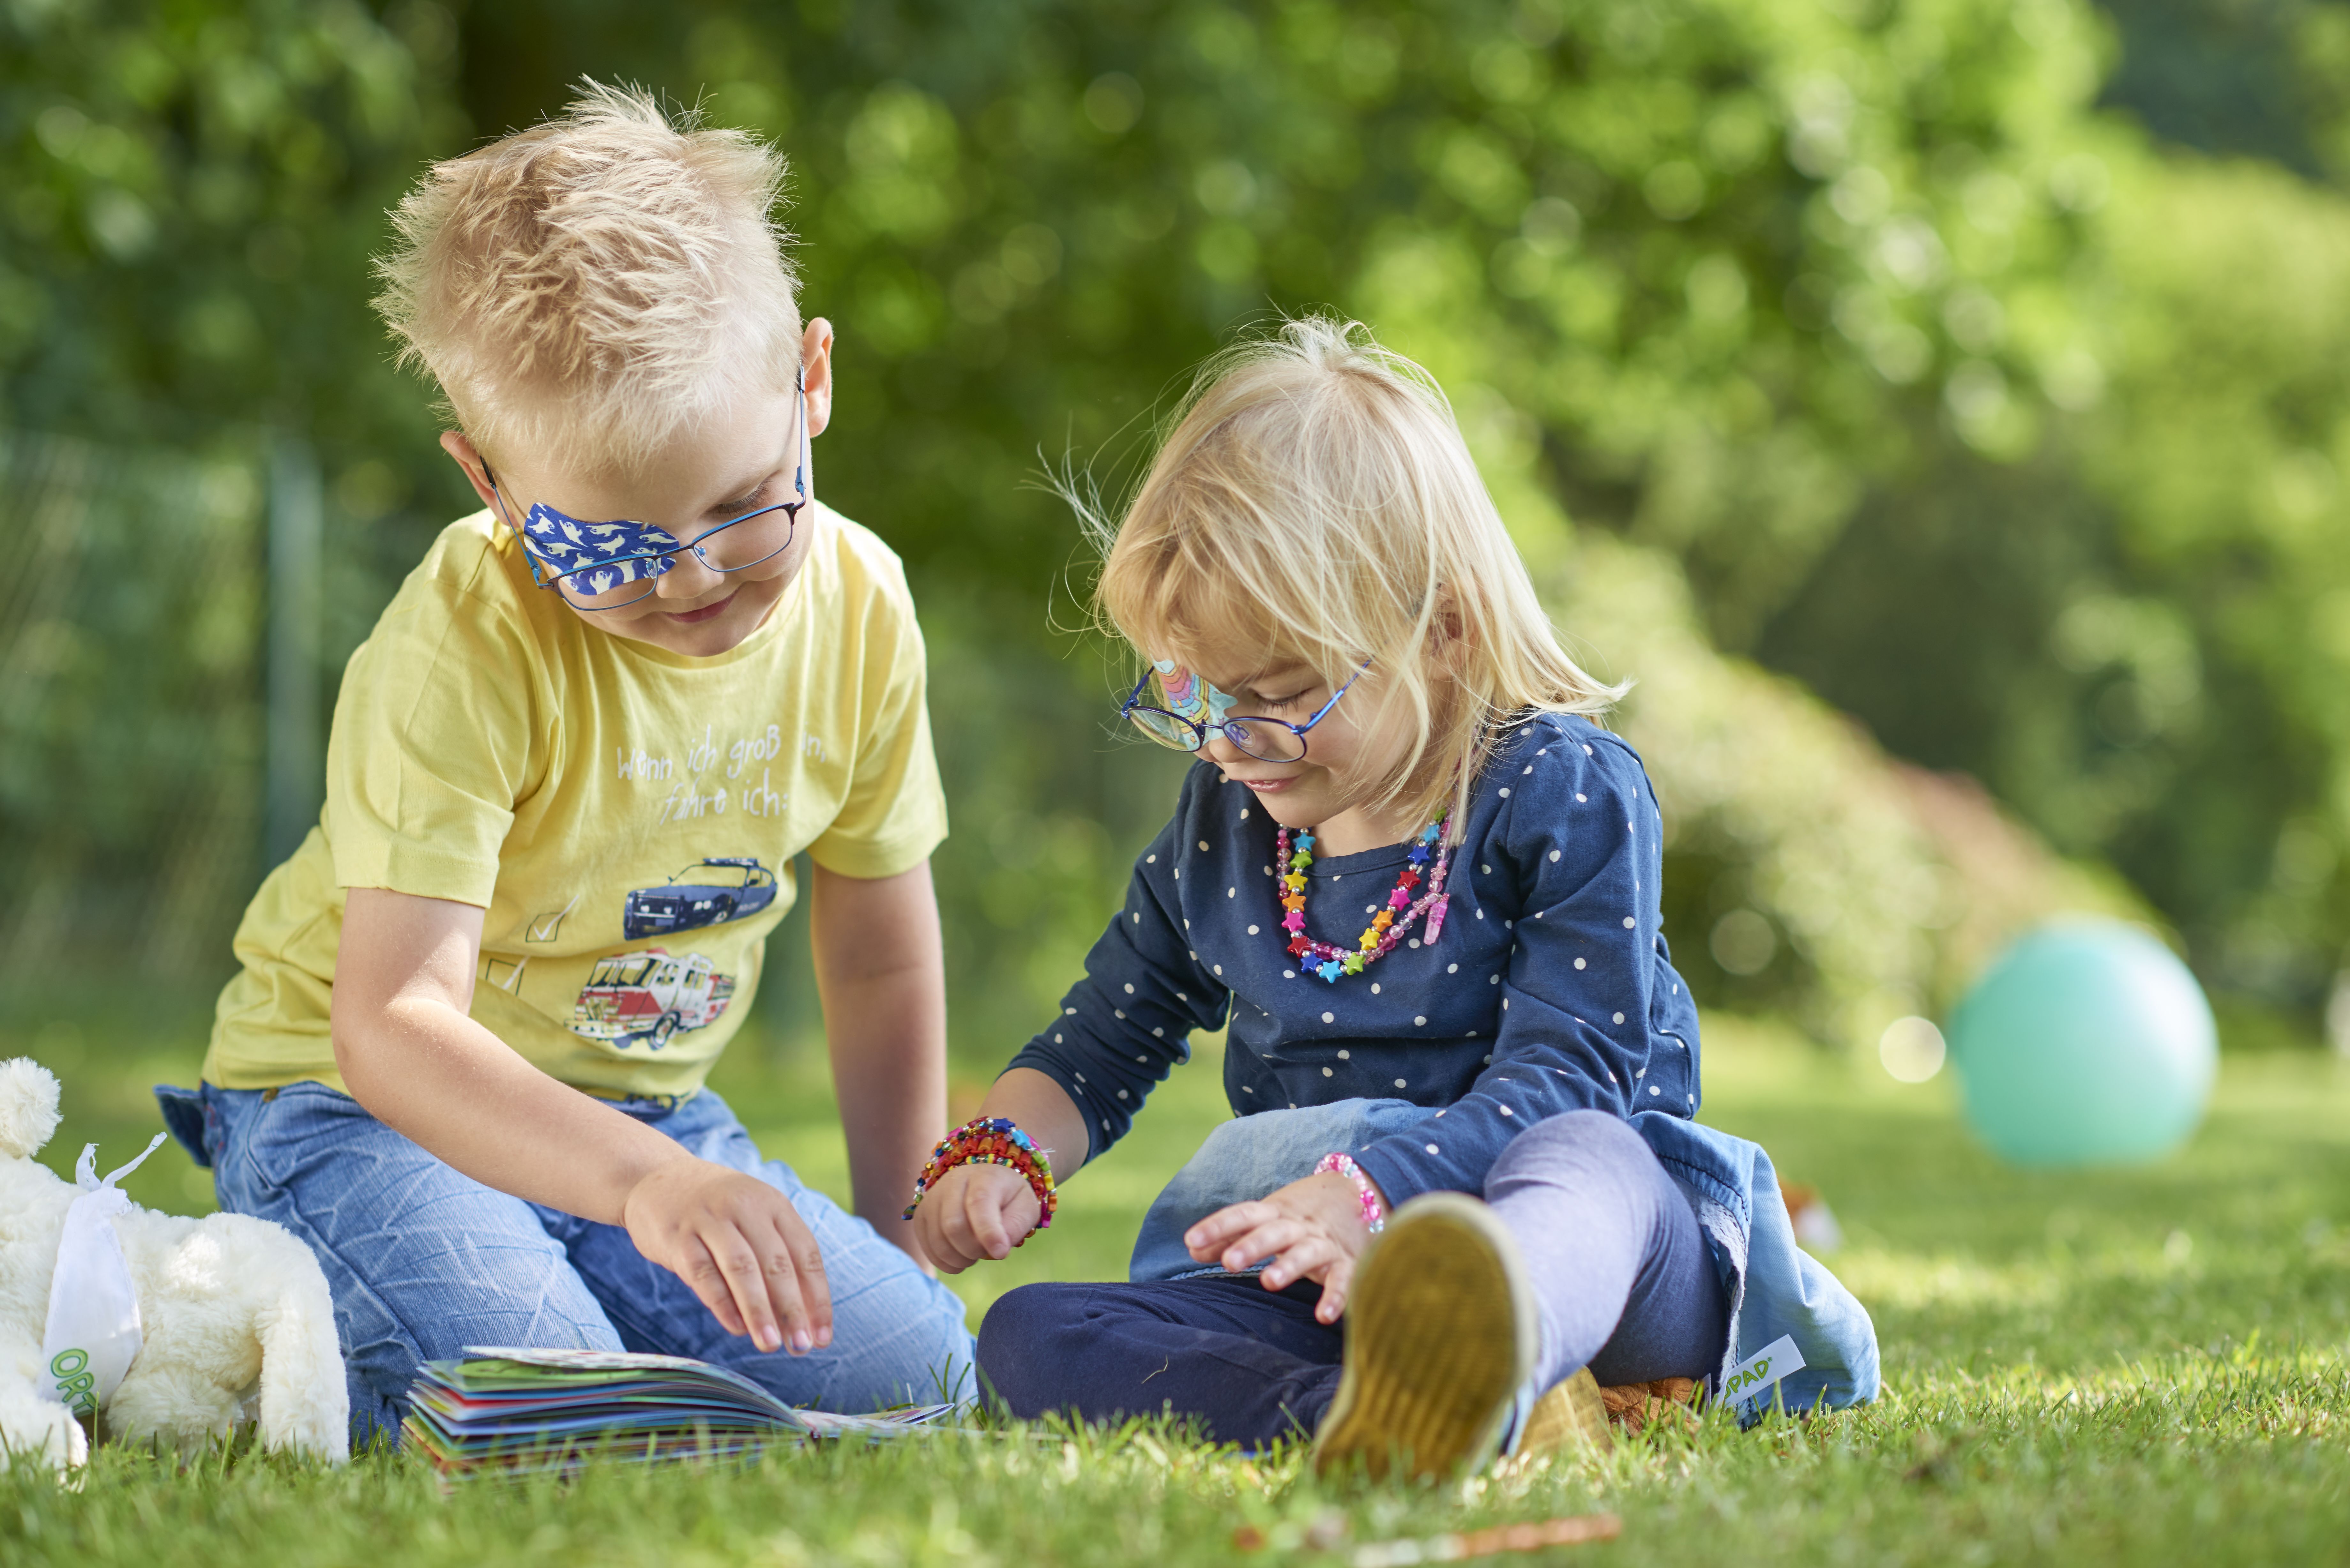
{"x":2141,"y":1365}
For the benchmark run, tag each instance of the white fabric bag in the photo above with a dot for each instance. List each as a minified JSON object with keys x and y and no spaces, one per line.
{"x":92,"y":1336}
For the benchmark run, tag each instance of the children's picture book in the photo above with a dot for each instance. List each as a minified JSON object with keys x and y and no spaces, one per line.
{"x":519,"y":1411}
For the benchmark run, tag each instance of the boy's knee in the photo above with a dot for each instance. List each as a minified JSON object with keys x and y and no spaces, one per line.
{"x":950,"y":1323}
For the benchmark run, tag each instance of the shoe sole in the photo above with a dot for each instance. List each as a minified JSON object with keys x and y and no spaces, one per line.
{"x":1440,"y":1332}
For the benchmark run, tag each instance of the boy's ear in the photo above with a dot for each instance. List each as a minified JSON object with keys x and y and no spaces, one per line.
{"x":815,"y":371}
{"x":461,"y":452}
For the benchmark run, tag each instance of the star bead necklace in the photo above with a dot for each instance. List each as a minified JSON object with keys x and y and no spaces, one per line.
{"x":1326,"y":959}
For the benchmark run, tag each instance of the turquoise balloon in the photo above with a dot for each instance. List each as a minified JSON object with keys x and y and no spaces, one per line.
{"x":2087,"y":1043}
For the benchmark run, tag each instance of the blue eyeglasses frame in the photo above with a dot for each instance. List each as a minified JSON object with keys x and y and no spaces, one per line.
{"x":544,"y":573}
{"x":1233,"y":728}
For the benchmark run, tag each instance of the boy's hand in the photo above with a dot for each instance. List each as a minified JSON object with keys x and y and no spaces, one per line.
{"x":1312,"y":1230}
{"x":975,"y":1211}
{"x":741,"y":1245}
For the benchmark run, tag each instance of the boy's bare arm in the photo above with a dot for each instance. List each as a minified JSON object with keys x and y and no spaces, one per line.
{"x":409,"y":1053}
{"x":881,"y":976}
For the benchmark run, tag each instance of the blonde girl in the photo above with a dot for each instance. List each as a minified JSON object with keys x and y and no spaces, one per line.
{"x":1417,"y":884}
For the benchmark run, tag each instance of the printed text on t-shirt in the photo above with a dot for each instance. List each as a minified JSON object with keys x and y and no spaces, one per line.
{"x":686,"y":799}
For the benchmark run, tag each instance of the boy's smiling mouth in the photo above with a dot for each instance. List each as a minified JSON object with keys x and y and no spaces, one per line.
{"x":707,"y":612}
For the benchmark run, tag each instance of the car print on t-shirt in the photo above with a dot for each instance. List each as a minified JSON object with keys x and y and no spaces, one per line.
{"x":644,"y":998}
{"x":706,"y":893}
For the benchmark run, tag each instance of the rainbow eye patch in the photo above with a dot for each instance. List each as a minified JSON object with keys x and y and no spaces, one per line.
{"x":1183,"y":690}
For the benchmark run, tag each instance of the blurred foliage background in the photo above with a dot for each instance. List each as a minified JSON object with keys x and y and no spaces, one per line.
{"x":1936,"y":405}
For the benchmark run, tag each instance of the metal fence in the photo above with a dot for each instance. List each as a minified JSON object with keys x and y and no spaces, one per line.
{"x":135,"y":746}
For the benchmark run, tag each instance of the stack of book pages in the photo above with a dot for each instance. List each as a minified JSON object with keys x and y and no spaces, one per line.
{"x":524,"y":1410}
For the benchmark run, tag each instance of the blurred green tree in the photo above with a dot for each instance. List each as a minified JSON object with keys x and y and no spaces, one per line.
{"x":188,"y":192}
{"x":1944,"y":391}
{"x":1739,"y":256}
{"x":194,"y":190}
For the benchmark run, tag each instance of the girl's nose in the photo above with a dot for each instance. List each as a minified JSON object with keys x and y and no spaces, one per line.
{"x":1220,"y":749}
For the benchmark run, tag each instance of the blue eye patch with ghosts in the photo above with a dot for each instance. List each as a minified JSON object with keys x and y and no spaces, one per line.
{"x":596,"y":557}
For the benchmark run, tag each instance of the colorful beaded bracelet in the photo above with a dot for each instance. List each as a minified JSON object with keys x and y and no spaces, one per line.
{"x":991,"y":1140}
{"x":1375,"y":1217}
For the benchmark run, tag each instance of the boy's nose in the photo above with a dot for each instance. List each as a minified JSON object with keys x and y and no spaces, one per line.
{"x":688,"y":577}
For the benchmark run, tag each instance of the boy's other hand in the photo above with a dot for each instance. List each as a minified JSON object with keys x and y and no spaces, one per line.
{"x":975,"y":1211}
{"x":742,"y":1247}
{"x":1312,"y":1230}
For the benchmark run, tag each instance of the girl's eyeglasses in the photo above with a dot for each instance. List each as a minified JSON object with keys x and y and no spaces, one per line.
{"x":599,"y":565}
{"x":1267,"y":739}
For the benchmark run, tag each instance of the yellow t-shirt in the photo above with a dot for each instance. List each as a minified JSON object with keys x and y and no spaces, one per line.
{"x":627,"y":816}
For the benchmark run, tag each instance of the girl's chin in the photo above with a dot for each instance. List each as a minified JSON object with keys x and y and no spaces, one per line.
{"x":1298,"y":801}
{"x":1291,"y":814}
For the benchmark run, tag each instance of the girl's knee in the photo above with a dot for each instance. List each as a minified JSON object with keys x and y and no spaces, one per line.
{"x":1583,"y":1136}
{"x":1026,"y":1317}
{"x":1024,"y":1343}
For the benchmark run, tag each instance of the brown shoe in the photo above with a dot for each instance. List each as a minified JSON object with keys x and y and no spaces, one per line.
{"x":1634,"y":1405}
{"x":1440,"y":1331}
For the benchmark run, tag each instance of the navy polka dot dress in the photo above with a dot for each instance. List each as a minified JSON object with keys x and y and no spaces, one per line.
{"x":1549,"y":988}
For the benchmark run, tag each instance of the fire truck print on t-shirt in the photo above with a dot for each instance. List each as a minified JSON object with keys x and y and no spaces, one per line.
{"x":647,"y":996}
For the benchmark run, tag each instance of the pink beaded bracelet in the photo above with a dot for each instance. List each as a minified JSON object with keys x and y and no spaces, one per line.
{"x":1375,"y":1218}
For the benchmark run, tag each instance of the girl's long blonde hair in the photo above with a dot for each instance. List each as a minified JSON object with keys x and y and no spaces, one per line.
{"x":1314,"y":498}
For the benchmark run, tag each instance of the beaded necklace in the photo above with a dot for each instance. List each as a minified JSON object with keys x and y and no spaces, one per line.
{"x":1329,"y":960}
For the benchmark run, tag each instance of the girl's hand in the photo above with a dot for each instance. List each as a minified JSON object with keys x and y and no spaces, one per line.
{"x":975,"y":1211}
{"x":1312,"y":1229}
{"x":742,"y":1247}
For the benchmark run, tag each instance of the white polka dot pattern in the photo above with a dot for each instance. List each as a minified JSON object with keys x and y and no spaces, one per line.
{"x":1419,"y":1021}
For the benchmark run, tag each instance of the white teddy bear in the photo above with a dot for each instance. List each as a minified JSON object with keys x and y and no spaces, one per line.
{"x":232,"y":1319}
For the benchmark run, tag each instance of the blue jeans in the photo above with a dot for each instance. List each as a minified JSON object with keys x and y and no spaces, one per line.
{"x":424,"y":1262}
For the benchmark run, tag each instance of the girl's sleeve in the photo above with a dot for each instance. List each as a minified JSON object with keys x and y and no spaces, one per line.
{"x":1577,"y":849}
{"x":1129,"y":1022}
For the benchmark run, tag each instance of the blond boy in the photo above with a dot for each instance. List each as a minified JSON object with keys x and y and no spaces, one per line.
{"x":463,"y":1059}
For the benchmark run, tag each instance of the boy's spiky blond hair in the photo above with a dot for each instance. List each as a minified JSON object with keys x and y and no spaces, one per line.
{"x":587,"y":288}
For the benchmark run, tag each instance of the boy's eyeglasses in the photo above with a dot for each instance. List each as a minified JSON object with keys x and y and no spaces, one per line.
{"x":1267,"y":739}
{"x":599,"y":565}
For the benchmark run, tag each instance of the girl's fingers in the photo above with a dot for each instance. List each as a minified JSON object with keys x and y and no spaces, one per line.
{"x":1019,"y":1214}
{"x":983,"y":1212}
{"x":947,"y":1236}
{"x":1336,"y":1284}
{"x":1204,"y":1239}
{"x":942,"y":1243}
{"x":972,"y":1215}
{"x":1275,"y":1236}
{"x":1298,"y":1262}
